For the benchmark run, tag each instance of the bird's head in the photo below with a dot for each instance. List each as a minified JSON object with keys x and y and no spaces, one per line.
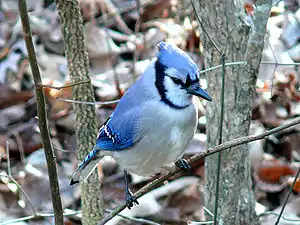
{"x":177,"y":76}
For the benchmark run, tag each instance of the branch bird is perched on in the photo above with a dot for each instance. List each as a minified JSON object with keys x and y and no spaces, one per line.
{"x":154,"y":121}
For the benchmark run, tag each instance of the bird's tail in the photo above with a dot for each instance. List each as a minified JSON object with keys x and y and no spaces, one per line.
{"x":86,"y":167}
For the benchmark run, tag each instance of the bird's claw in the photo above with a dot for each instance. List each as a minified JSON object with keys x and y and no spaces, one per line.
{"x":130,"y":200}
{"x":183,"y":164}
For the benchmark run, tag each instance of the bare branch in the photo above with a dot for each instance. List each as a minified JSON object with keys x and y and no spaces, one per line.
{"x":42,"y":115}
{"x":38,"y":215}
{"x":139,"y":220}
{"x":287,"y":197}
{"x":219,"y":148}
{"x":66,"y":86}
{"x":89,"y":103}
{"x":203,"y":28}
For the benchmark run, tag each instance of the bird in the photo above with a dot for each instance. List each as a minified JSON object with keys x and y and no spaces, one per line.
{"x":154,"y":121}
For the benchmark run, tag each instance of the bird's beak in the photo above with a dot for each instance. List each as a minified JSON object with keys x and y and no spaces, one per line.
{"x":195,"y":89}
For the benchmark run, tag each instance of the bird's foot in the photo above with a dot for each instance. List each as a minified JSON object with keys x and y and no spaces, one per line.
{"x":183,"y":164}
{"x":130,"y":200}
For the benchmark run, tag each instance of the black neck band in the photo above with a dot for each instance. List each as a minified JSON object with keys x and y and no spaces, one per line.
{"x":159,"y":83}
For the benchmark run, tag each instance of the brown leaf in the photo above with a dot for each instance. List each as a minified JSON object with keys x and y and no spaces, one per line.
{"x":9,"y":97}
{"x":273,"y":170}
{"x":189,"y":200}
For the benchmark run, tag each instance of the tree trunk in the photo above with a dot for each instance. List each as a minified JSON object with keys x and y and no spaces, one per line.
{"x":86,"y":125}
{"x":224,"y":20}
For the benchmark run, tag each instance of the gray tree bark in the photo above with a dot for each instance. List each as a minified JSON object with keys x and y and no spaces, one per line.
{"x":86,"y":125}
{"x":224,"y":20}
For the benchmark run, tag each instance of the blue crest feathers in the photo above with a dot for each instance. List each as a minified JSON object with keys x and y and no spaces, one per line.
{"x":173,"y":57}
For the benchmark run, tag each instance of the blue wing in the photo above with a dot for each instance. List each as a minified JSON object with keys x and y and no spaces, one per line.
{"x":119,"y":132}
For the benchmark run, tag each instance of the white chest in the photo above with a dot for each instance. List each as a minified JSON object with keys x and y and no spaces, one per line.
{"x":166,"y":134}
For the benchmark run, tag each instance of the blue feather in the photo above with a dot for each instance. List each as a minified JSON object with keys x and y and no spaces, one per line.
{"x":88,"y":158}
{"x":173,"y":57}
{"x":119,"y":131}
{"x":111,"y":140}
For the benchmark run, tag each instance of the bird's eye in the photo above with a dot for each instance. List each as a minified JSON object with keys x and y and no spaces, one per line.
{"x":176,"y":80}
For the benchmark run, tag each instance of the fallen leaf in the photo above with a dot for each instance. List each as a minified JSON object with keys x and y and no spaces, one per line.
{"x":272,"y":171}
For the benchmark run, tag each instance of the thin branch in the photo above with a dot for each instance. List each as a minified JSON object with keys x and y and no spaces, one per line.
{"x":202,"y":222}
{"x":38,"y":215}
{"x":113,"y":62}
{"x":136,"y":31}
{"x":22,"y":190}
{"x":203,"y":28}
{"x":244,"y":63}
{"x":121,"y":11}
{"x":18,"y":220}
{"x":20,"y":146}
{"x":222,"y":102}
{"x":276,"y":3}
{"x":41,"y":110}
{"x":8,"y":158}
{"x":66,"y":86}
{"x":89,"y":103}
{"x":207,"y":211}
{"x":173,"y":169}
{"x":71,"y":213}
{"x":119,"y":21}
{"x":280,"y":64}
{"x":64,"y":150}
{"x":139,"y":220}
{"x":276,"y":214}
{"x":276,"y":62}
{"x":226,"y":64}
{"x":287,"y":197}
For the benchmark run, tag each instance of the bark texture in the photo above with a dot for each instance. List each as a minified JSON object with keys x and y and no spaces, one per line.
{"x":42,"y":115}
{"x":224,"y":20}
{"x":86,"y":125}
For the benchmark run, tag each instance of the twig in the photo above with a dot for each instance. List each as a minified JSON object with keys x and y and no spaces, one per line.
{"x":8,"y":158}
{"x":113,"y":63}
{"x":203,"y":28}
{"x":244,"y":63}
{"x":20,"y":146}
{"x":208,"y":212}
{"x":219,"y":148}
{"x":89,"y":103}
{"x":136,"y":31}
{"x":287,"y":197}
{"x":202,"y":222}
{"x":43,"y":215}
{"x":124,"y":10}
{"x":22,"y":190}
{"x":275,"y":67}
{"x":120,"y":22}
{"x":64,"y":150}
{"x":66,"y":86}
{"x":38,"y":215}
{"x":139,"y":220}
{"x":226,"y":64}
{"x":41,"y":110}
{"x":220,"y":140}
{"x":280,"y":64}
{"x":276,"y":3}
{"x":276,"y":214}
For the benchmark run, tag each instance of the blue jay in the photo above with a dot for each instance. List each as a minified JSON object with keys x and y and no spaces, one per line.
{"x":154,"y":121}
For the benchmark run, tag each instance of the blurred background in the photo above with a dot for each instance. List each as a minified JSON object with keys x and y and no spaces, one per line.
{"x":121,"y":38}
